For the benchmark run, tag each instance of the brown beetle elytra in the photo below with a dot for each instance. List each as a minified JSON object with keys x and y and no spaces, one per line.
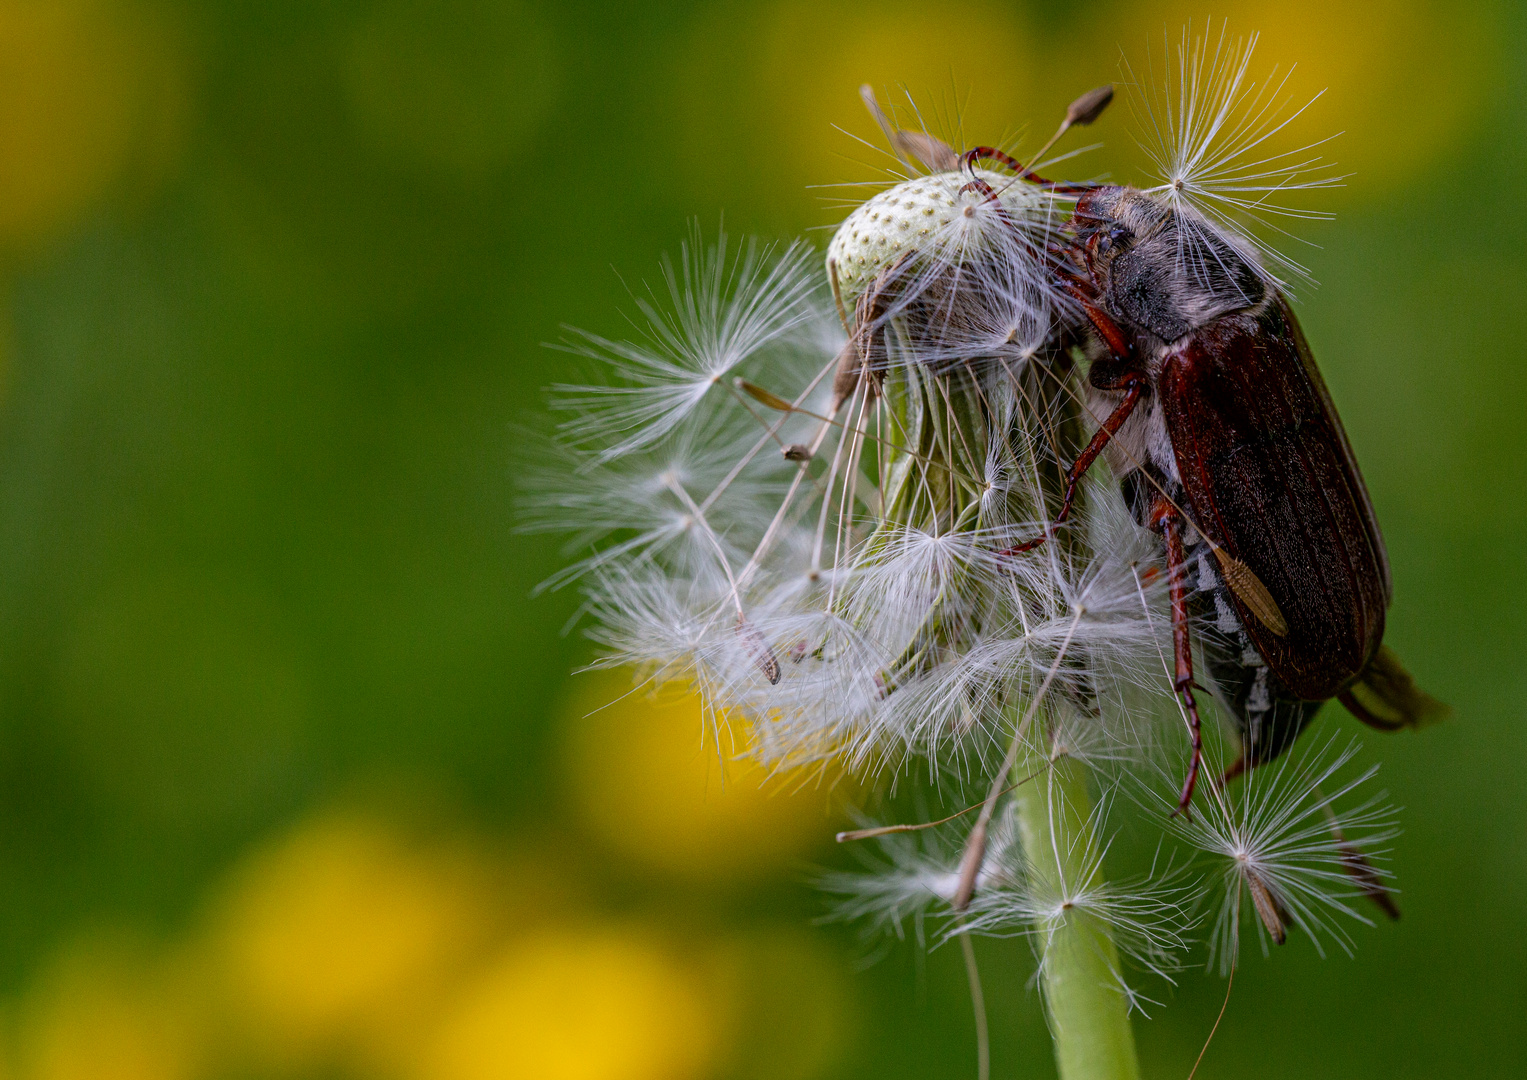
{"x":1228,"y":445}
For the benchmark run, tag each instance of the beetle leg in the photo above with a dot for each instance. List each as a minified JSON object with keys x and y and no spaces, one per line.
{"x":1072,"y":274}
{"x":1357,"y":709}
{"x":988,"y":153}
{"x":862,"y":358}
{"x":982,"y":188}
{"x":1133,"y":383}
{"x":1119,"y":346}
{"x":1169,"y":520}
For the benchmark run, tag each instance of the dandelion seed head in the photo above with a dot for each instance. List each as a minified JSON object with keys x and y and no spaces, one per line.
{"x":933,"y":215}
{"x":962,"y":258}
{"x":830,"y":505}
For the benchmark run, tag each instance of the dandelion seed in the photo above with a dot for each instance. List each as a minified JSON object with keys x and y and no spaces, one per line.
{"x":722,"y":312}
{"x":1286,"y":849}
{"x":914,"y":878}
{"x":1039,"y":893}
{"x":1210,"y":128}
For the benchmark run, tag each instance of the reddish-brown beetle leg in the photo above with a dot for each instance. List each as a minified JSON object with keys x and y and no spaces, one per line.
{"x":1166,"y":517}
{"x":1073,"y":279}
{"x":981,"y":187}
{"x":988,"y":153}
{"x":1133,"y":383}
{"x":1113,"y":337}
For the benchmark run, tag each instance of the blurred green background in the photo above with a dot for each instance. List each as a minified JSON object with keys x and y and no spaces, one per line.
{"x":294,"y":781}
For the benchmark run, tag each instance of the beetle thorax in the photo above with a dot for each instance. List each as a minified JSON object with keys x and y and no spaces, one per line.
{"x":1166,"y":272}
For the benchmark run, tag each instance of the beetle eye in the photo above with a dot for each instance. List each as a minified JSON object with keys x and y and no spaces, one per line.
{"x":1116,"y":235}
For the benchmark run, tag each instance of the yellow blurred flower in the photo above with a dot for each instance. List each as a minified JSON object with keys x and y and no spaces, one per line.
{"x":341,"y":938}
{"x":104,"y":1010}
{"x":577,"y":1004}
{"x":651,"y":782}
{"x":88,"y":90}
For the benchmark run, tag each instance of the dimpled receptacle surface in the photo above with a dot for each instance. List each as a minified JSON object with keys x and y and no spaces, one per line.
{"x":917,"y":215}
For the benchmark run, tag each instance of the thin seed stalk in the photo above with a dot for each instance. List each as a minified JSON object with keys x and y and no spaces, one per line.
{"x":1079,"y":962}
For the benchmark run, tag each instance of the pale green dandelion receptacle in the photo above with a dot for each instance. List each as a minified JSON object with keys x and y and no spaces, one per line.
{"x":916,"y":216}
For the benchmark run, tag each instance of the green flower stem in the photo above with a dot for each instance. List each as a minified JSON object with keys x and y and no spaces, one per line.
{"x":1089,"y":1013}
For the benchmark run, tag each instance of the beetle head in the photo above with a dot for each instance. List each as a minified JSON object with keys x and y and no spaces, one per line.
{"x":1163,"y":269}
